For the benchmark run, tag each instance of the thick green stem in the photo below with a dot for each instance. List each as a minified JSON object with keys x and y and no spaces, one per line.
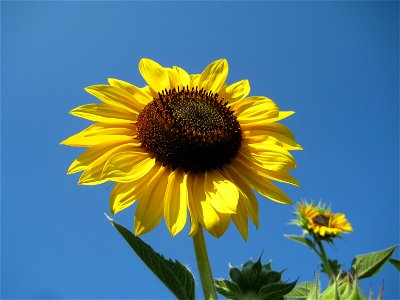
{"x":325,"y":260}
{"x":203,"y":265}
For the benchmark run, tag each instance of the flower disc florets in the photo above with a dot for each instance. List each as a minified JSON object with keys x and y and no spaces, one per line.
{"x":189,"y":129}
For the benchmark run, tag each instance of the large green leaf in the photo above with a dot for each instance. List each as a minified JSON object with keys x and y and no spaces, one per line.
{"x":302,"y":240}
{"x":301,"y":291}
{"x":176,"y":277}
{"x":369,"y":264}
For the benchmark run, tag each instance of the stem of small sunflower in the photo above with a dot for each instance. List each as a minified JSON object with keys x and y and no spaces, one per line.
{"x":203,"y":265}
{"x":325,"y":260}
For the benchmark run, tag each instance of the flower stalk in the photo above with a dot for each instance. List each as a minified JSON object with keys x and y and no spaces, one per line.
{"x":203,"y":265}
{"x":325,"y":260}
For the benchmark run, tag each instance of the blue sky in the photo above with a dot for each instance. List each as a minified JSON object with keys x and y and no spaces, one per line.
{"x":334,"y":63}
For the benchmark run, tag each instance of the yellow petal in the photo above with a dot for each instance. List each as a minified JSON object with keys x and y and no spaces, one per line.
{"x":322,"y":230}
{"x":125,"y":194}
{"x":92,"y":154}
{"x":184,"y":77}
{"x":220,"y":228}
{"x":214,"y":76}
{"x":261,"y":184}
{"x":269,"y":156}
{"x":247,"y":197}
{"x":278,"y":131}
{"x":244,"y":159}
{"x":149,"y":211}
{"x":195,"y":79}
{"x":214,"y":222}
{"x":191,"y":206}
{"x":128,"y":166}
{"x":241,"y":222}
{"x":255,"y":108}
{"x":139,"y":94}
{"x":154,"y":74}
{"x":261,"y":123}
{"x":221,"y":193}
{"x":174,"y":78}
{"x":93,"y":173}
{"x":236,"y":91}
{"x":106,"y":113}
{"x":115,"y":96}
{"x":175,"y":201}
{"x":101,"y":133}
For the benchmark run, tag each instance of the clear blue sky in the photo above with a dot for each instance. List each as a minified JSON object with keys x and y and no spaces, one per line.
{"x":334,"y":63}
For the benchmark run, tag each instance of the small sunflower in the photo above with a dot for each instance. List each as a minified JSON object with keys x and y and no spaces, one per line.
{"x":320,"y":221}
{"x":185,"y":145}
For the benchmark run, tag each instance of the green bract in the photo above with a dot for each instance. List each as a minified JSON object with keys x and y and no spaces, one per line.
{"x":254,"y":281}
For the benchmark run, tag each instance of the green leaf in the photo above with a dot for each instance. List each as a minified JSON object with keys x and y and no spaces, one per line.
{"x":369,"y":264}
{"x":276,"y":289}
{"x":301,"y":291}
{"x":302,"y":240}
{"x":227,"y":288}
{"x":176,"y":277}
{"x":395,"y":263}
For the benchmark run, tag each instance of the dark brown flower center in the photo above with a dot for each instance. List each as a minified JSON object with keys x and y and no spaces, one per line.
{"x":192,"y":130}
{"x":321,"y":220}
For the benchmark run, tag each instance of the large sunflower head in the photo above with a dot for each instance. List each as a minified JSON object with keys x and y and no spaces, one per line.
{"x":320,"y":222}
{"x":185,"y":144}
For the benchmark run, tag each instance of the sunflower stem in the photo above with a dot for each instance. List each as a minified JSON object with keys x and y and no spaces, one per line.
{"x":203,"y":265}
{"x":325,"y":261}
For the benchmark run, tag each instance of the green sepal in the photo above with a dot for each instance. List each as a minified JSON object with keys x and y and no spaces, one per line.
{"x":355,"y":293}
{"x":347,"y":285}
{"x":335,"y":290}
{"x":270,"y":277}
{"x":276,"y":290}
{"x":314,"y":294}
{"x":235,"y":274}
{"x":342,"y":290}
{"x":254,"y":281}
{"x":369,"y":264}
{"x":175,"y":276}
{"x":227,"y":288}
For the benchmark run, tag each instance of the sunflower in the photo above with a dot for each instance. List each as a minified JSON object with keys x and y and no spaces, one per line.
{"x":185,"y":146}
{"x":320,"y":221}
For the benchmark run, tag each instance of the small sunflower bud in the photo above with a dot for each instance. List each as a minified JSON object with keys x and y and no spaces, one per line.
{"x":255,"y":281}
